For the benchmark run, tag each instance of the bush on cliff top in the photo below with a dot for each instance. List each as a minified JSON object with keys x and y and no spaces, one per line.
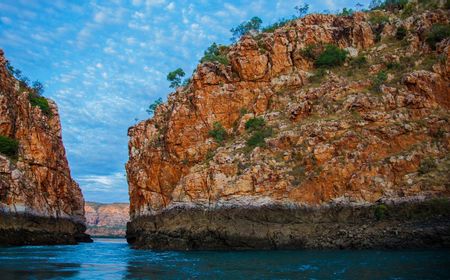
{"x":216,"y":53}
{"x":41,"y":102}
{"x":9,"y":146}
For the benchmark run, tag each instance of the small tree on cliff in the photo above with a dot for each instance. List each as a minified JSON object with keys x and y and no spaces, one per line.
{"x":302,"y":10}
{"x":38,"y":87}
{"x":151,"y":109}
{"x":174,"y":77}
{"x":247,"y":27}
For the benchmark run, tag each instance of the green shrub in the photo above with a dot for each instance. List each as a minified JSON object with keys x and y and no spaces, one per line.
{"x":332,"y":56}
{"x":346,"y":12}
{"x":379,"y":79}
{"x":378,"y":19}
{"x":41,"y":102}
{"x":280,"y":23}
{"x":401,"y":33}
{"x":255,"y":124}
{"x":427,"y":165}
{"x":437,"y":33}
{"x":393,"y":66}
{"x":216,"y":53}
{"x":388,"y":4}
{"x":408,"y":10}
{"x":257,"y":139}
{"x":359,"y":61}
{"x":380,"y":211}
{"x":218,"y":133}
{"x":8,"y":146}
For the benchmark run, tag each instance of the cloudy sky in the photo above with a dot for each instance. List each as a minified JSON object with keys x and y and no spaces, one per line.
{"x":104,"y":62}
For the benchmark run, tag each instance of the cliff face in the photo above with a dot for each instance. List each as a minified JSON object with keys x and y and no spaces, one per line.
{"x":341,"y":141}
{"x":36,"y":185}
{"x":107,"y":219}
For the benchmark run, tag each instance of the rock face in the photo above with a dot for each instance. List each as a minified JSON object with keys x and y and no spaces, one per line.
{"x":107,"y":220}
{"x":39,"y":201}
{"x":337,"y":151}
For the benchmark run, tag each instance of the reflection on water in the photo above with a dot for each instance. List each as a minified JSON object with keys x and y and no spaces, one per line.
{"x":113,"y":259}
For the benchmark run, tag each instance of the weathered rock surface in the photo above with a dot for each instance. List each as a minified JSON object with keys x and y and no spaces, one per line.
{"x":39,"y":201}
{"x":334,"y":142}
{"x":107,"y":220}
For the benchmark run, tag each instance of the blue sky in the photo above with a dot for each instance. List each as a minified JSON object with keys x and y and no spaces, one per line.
{"x":104,"y":62}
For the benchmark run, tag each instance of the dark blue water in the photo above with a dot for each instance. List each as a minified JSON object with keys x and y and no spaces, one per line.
{"x":113,"y":259}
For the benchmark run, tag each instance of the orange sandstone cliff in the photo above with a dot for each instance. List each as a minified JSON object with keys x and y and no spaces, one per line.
{"x":40,"y":203}
{"x":344,"y":159}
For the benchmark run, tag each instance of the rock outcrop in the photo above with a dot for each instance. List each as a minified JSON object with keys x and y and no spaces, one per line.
{"x":336,"y":152}
{"x":39,"y":201}
{"x":106,"y":220}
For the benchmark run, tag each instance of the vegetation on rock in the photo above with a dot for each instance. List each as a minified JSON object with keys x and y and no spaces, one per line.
{"x":41,"y":102}
{"x":216,"y":53}
{"x":152,"y":107}
{"x":174,"y":77}
{"x":259,"y":132}
{"x":379,"y":80}
{"x":9,"y":146}
{"x":247,"y":27}
{"x":427,"y":165}
{"x":218,"y":133}
{"x":332,"y":56}
{"x":438,"y":33}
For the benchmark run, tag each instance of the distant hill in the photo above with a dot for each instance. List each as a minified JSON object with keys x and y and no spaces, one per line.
{"x":106,"y":219}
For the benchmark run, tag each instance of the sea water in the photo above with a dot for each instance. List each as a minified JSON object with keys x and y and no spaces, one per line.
{"x":114,"y":259}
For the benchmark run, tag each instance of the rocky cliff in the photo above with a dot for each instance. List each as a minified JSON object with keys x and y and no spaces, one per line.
{"x":39,"y":201}
{"x":106,"y":220}
{"x":307,"y":157}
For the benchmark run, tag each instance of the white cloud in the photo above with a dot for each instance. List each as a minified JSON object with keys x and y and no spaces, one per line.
{"x":5,"y":20}
{"x":130,"y":40}
{"x":171,"y":6}
{"x":330,"y":4}
{"x":99,"y":17}
{"x":102,"y":182}
{"x":234,"y":11}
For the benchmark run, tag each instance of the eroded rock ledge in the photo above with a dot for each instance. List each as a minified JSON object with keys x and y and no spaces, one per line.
{"x":401,"y":225}
{"x":25,"y":229}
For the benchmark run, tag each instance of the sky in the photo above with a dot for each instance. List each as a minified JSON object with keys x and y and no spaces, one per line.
{"x":105,"y":62}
